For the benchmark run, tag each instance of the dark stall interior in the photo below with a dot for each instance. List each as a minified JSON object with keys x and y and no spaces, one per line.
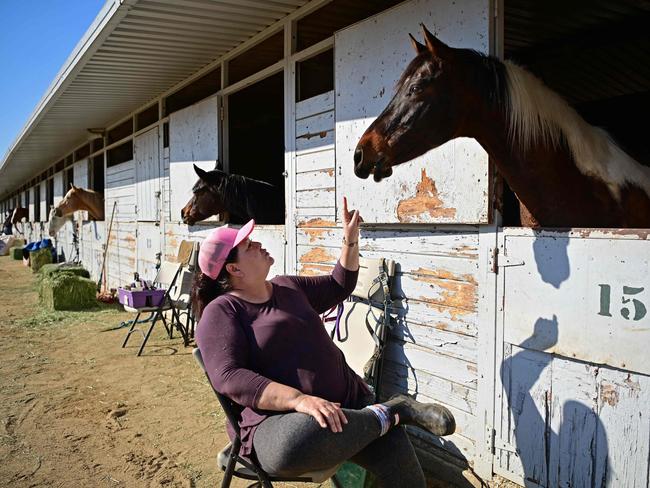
{"x":256,"y":132}
{"x":596,"y":54}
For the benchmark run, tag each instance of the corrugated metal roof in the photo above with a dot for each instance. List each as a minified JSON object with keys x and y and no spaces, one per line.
{"x":134,"y":51}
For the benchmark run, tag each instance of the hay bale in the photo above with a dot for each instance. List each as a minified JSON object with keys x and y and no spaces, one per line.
{"x":65,"y":291}
{"x":49,"y":270}
{"x":40,"y":257}
{"x":16,"y":253}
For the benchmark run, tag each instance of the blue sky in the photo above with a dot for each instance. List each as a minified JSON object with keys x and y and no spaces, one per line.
{"x":36,"y":37}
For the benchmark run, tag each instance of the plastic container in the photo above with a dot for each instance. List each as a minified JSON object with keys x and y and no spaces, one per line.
{"x":141,"y":298}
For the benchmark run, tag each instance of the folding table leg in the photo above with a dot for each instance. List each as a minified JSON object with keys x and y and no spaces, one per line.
{"x":131,"y":330}
{"x":146,"y":337}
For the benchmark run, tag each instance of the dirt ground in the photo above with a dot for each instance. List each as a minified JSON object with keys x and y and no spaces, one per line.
{"x":78,"y":410}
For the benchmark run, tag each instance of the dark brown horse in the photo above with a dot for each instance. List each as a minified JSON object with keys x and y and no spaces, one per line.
{"x":236,"y":198}
{"x":18,"y":214}
{"x":565,"y":172}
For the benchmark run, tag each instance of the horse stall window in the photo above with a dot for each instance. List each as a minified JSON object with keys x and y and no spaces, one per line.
{"x":256,"y":134}
{"x":256,"y":58}
{"x":68,"y":178}
{"x":197,"y":90}
{"x":147,"y":117}
{"x":59,"y":166}
{"x":96,"y":144}
{"x":166,"y":134}
{"x":118,"y":133}
{"x":315,"y":75}
{"x":120,"y":154}
{"x":37,"y":203}
{"x":81,"y":153}
{"x":49,"y":197}
{"x":334,"y":16}
{"x":595,"y":56}
{"x":97,"y":173}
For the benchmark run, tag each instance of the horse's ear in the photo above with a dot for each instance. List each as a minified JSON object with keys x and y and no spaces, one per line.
{"x":201,"y":174}
{"x":418,"y":46}
{"x":434,"y":45}
{"x":71,"y":186}
{"x":218,"y":165}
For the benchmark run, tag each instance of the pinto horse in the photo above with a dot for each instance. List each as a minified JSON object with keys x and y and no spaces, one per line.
{"x":240,"y":197}
{"x":565,"y":172}
{"x":76,"y":199}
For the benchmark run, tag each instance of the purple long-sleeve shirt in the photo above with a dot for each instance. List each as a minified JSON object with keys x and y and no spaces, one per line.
{"x":246,"y":346}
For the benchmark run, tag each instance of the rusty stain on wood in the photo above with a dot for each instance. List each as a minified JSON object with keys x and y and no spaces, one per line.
{"x":309,"y":135}
{"x":315,"y":269}
{"x":426,"y":200}
{"x":454,"y":313}
{"x":443,"y":274}
{"x":314,"y":234}
{"x":609,"y":394}
{"x":456,"y":294}
{"x":317,"y":255}
{"x":316,"y":222}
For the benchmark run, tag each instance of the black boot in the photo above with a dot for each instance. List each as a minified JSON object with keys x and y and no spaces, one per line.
{"x":429,"y":416}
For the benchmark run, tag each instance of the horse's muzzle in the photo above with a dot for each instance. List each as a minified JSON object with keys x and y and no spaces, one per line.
{"x":359,"y":169}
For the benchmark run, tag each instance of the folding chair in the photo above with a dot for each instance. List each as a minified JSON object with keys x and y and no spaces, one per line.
{"x":188,"y":255}
{"x":166,"y":278}
{"x":233,"y":464}
{"x":180,"y":298}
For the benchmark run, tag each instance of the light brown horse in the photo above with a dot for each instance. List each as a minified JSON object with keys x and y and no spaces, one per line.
{"x":565,"y":172}
{"x":80,"y":199}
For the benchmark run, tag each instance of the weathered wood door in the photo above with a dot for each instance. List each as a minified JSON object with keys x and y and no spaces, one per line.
{"x":193,"y":139}
{"x":147,"y":176}
{"x":446,"y":185}
{"x":572,"y":372}
{"x":149,"y":203}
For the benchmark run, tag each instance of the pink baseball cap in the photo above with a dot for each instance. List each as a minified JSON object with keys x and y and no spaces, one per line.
{"x":215,"y":248}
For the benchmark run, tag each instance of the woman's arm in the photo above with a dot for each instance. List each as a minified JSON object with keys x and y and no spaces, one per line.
{"x":323,"y":292}
{"x":282,"y":398}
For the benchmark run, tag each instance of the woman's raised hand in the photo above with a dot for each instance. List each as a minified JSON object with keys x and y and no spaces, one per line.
{"x":327,"y":414}
{"x":351,"y":221}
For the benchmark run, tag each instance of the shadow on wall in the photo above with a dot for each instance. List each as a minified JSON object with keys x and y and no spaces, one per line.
{"x":573,"y":453}
{"x":552,"y":259}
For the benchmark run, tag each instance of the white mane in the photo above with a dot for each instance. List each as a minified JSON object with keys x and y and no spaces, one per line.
{"x":537,"y":114}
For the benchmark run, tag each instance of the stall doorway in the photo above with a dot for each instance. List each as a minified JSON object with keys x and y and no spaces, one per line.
{"x":256,"y":133}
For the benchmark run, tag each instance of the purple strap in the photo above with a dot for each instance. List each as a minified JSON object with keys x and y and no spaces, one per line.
{"x":337,"y":325}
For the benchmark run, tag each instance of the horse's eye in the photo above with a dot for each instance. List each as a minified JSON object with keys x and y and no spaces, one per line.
{"x":417,"y":88}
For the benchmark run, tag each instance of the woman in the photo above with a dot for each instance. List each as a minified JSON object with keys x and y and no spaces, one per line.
{"x":264,"y":346}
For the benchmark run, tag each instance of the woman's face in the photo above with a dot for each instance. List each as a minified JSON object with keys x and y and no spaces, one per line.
{"x":253,"y":260}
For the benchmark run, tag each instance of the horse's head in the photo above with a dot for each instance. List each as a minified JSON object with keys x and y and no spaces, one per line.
{"x":207,"y":198}
{"x":422,"y":114}
{"x":70,"y":203}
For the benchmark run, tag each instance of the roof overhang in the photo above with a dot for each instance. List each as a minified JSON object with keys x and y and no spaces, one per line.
{"x":134,"y":51}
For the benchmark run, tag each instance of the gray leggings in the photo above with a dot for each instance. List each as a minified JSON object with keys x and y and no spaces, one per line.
{"x":292,"y":444}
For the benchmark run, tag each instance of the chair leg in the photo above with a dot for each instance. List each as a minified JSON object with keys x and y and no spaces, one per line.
{"x":230,"y":469}
{"x":176,"y":320}
{"x":131,"y":330}
{"x":169,"y":328}
{"x":146,"y":337}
